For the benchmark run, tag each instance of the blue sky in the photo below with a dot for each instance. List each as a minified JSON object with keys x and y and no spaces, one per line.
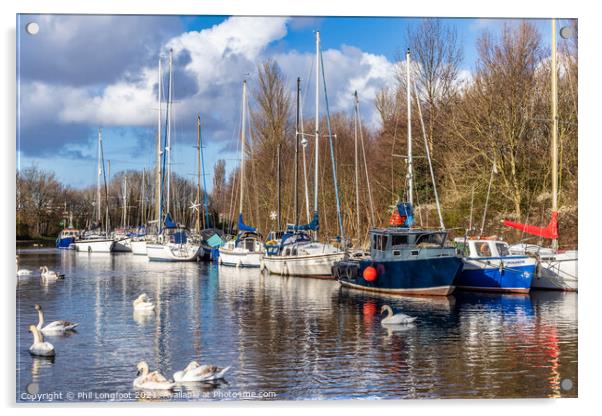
{"x":80,"y":73}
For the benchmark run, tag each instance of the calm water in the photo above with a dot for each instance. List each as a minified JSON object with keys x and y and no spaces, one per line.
{"x":285,"y":338}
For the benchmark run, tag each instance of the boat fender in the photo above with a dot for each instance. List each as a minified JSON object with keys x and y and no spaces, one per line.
{"x":370,"y":274}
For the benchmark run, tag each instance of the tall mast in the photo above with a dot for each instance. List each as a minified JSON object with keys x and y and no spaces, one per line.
{"x":125,"y":201}
{"x":317,"y":146}
{"x":242,"y":145}
{"x":204,"y":193}
{"x":98,"y":175}
{"x":357,"y":176}
{"x":278,"y":180}
{"x":158,"y":154}
{"x":198,"y":172}
{"x":142,"y":202}
{"x":296,"y":186}
{"x":554,"y":128}
{"x":168,"y":147}
{"x":409,"y":111}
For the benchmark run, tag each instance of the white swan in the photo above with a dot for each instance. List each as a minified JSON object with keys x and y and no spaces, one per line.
{"x":143,"y":303}
{"x":56,"y":327}
{"x":395,"y":319}
{"x":22,"y":272}
{"x":151,"y":381}
{"x":196,"y":372}
{"x":39,"y":347}
{"x":50,"y":275}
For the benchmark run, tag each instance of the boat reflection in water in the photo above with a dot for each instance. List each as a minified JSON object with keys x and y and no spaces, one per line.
{"x":288,"y":337}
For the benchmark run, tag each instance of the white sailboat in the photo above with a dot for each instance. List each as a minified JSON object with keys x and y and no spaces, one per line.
{"x":173,"y":242}
{"x":97,"y":241}
{"x":297,"y":253}
{"x":247,"y":248}
{"x":556,"y":269}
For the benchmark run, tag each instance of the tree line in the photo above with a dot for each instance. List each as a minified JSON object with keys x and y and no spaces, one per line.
{"x":490,"y":126}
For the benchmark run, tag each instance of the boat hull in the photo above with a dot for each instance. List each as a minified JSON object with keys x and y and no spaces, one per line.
{"x":173,"y":252}
{"x":95,"y":246}
{"x":509,"y":274}
{"x":138,"y":247}
{"x":422,"y":277}
{"x":239,"y":258}
{"x":557,"y":272}
{"x":65,"y":243}
{"x":309,"y":265}
{"x":123,"y":246}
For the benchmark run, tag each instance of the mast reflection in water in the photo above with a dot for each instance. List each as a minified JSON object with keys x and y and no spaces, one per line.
{"x":286,"y":338}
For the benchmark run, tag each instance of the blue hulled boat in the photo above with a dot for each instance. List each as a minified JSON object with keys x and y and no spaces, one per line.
{"x":489,"y":266}
{"x":66,"y":238}
{"x":403,"y":260}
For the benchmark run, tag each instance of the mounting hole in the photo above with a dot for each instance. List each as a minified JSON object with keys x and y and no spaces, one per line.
{"x":32,"y":28}
{"x":566,"y":32}
{"x":566,"y":384}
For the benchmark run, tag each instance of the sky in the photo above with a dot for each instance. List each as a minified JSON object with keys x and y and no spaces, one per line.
{"x":81,"y":73}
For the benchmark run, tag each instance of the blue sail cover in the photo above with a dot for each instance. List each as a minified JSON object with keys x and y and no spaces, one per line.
{"x":314,"y":225}
{"x":169,"y":223}
{"x":244,"y":227}
{"x":406,"y":211}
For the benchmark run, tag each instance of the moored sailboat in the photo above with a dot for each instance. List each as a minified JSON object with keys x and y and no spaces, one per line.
{"x":247,"y":248}
{"x":403,"y":259}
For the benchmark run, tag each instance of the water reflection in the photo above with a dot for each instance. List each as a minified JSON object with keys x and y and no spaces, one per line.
{"x":299,"y":338}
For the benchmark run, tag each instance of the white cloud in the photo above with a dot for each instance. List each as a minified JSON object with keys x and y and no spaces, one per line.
{"x":217,"y":59}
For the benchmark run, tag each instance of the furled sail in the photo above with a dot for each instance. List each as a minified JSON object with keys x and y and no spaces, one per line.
{"x":314,"y":225}
{"x":244,"y":227}
{"x":550,"y":231}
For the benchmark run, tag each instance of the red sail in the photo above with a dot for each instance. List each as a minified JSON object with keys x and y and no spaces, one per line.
{"x":550,"y":231}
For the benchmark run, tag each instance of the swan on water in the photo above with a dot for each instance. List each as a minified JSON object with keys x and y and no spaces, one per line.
{"x":143,"y":303}
{"x":22,"y":272}
{"x":151,"y":380}
{"x":50,"y":274}
{"x":196,"y":372}
{"x":395,"y":319}
{"x":39,"y":346}
{"x":56,"y":327}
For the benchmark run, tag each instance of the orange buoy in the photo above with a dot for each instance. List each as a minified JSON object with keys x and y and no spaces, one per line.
{"x":370,"y":274}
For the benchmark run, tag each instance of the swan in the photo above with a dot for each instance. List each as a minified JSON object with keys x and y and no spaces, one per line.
{"x":22,"y":272}
{"x":50,"y":274}
{"x":151,"y":381}
{"x":143,"y":303}
{"x":56,"y":327}
{"x":39,"y":347}
{"x":395,"y":319}
{"x":196,"y":372}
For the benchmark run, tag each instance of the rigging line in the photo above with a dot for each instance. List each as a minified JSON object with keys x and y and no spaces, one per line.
{"x":373,"y":223}
{"x":250,"y":146}
{"x":493,"y":171}
{"x":332,"y":158}
{"x":428,"y":156}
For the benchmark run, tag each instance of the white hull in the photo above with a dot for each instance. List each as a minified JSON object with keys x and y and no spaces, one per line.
{"x":123,"y":245}
{"x":239,"y":258}
{"x":94,"y":246}
{"x":173,"y":252}
{"x":557,"y":272}
{"x":139,"y":247}
{"x":308,"y":265}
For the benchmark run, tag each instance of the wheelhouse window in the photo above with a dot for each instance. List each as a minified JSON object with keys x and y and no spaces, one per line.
{"x":502,"y":249}
{"x":482,"y":249}
{"x":379,"y":242}
{"x":430,"y":240}
{"x":399,"y":240}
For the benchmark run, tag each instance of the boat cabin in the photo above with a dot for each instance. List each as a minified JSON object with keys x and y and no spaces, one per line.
{"x":69,"y":232}
{"x":400,"y":243}
{"x":482,"y":248}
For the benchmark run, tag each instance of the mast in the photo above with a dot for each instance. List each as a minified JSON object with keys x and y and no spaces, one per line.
{"x":198,"y":172}
{"x":554,"y":129}
{"x":242,"y":145}
{"x":205,"y":197}
{"x":142,"y":200}
{"x":98,"y":175}
{"x":296,"y":186}
{"x":168,"y":147}
{"x":357,"y":177}
{"x":317,"y":146}
{"x":158,"y":154}
{"x":409,"y":111}
{"x":125,"y":201}
{"x":278,"y":180}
